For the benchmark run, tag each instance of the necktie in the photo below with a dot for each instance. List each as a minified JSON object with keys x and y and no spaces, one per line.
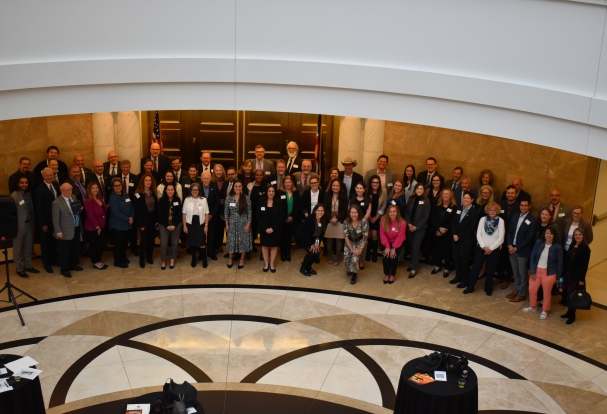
{"x":82,"y":189}
{"x":113,"y":170}
{"x":102,"y":185}
{"x":553,"y":212}
{"x":176,"y":177}
{"x":305,"y":181}
{"x":428,"y":179}
{"x":124,"y":186}
{"x":259,"y":165}
{"x":52,"y":188}
{"x":453,"y":186}
{"x":83,"y":176}
{"x":155,"y":164}
{"x":290,"y":165}
{"x":56,"y":178}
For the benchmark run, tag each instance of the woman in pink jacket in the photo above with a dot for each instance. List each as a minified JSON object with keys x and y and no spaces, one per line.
{"x":392,"y":235}
{"x":94,"y":224}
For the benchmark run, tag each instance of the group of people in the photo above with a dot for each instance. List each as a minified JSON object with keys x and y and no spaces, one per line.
{"x":451,"y":224}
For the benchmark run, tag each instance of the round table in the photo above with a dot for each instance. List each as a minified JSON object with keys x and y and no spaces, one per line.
{"x":152,"y":397}
{"x":26,"y":396}
{"x":437,"y":397}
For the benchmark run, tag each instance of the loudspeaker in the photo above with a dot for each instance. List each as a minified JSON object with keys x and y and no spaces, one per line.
{"x":8,"y":218}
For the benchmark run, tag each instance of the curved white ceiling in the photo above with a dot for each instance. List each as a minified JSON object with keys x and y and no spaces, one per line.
{"x":531,"y":70}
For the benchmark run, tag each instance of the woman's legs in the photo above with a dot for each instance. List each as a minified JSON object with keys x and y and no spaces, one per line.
{"x":394,"y":263}
{"x":174,"y":237}
{"x":265,"y":251}
{"x":273,"y":253}
{"x":416,"y":241}
{"x":547,"y":282}
{"x":329,"y":249}
{"x":164,"y":242}
{"x":534,"y":285}
{"x":339,"y":244}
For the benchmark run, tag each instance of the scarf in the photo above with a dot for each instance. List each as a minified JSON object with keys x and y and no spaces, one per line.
{"x":491,"y":226}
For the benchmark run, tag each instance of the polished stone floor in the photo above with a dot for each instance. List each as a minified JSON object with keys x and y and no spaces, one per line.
{"x":119,"y":333}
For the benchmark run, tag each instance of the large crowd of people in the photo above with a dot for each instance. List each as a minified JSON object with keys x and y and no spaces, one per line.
{"x":452,"y":224}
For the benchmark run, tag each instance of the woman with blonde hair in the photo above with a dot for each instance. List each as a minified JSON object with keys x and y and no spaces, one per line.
{"x":485,"y":196}
{"x":440,"y":222}
{"x":392,"y":233}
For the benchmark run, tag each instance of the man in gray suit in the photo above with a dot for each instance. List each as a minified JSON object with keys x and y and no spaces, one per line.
{"x":260,"y":163}
{"x":66,"y":225}
{"x":24,"y":242}
{"x":386,"y":176}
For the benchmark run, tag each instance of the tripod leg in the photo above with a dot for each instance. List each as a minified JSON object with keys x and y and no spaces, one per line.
{"x":24,"y":293}
{"x":11,"y":297}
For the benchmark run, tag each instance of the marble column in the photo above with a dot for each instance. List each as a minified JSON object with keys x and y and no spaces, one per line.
{"x":350,"y":141}
{"x":104,"y":134}
{"x":128,"y":142}
{"x":372,"y":143}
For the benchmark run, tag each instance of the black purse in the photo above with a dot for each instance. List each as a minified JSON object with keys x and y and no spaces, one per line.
{"x":579,"y":299}
{"x":455,"y":364}
{"x":177,"y":392}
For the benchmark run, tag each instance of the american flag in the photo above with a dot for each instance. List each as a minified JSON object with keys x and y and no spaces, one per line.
{"x":156,"y":132}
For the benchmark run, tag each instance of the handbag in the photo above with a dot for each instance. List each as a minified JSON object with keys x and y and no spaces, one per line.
{"x":455,"y":364}
{"x":178,"y":392}
{"x":579,"y":299}
{"x":179,"y":407}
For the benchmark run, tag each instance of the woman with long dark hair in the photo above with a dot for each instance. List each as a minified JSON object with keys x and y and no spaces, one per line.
{"x":291,"y":202}
{"x":169,"y":178}
{"x":94,"y":224}
{"x":146,"y":217}
{"x":169,"y":224}
{"x":409,"y":181}
{"x":256,"y":189}
{"x":417,"y":215}
{"x":336,"y":204}
{"x":238,"y":214}
{"x":270,"y":217}
{"x":378,"y":198}
{"x":574,"y":271}
{"x":309,"y":234}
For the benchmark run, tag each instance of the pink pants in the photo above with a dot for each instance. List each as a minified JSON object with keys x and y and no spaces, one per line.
{"x":546,"y":281}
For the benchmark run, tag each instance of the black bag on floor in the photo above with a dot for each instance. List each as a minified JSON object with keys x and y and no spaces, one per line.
{"x":179,"y":392}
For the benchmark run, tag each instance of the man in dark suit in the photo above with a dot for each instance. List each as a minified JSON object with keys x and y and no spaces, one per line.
{"x":23,"y":172}
{"x":148,"y":168}
{"x":509,"y":208}
{"x":58,"y":176}
{"x":103,"y":179}
{"x":160,"y":163}
{"x":276,"y":179}
{"x":348,"y":177}
{"x":78,"y":189}
{"x":86,"y":175}
{"x":425,"y":177}
{"x":292,"y":159}
{"x":560,"y":212}
{"x":66,"y":229}
{"x":211,"y":193}
{"x":112,"y":166}
{"x":463,"y":232}
{"x":464,"y":185}
{"x":455,"y":182}
{"x":205,"y":163}
{"x":44,"y":195}
{"x":129,"y":185}
{"x":520,"y":240}
{"x":302,"y":178}
{"x":520,"y":193}
{"x":52,"y":153}
{"x":177,"y":171}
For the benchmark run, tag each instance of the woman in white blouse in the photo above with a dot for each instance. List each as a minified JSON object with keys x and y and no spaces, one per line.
{"x":490,"y":235}
{"x":195,"y":219}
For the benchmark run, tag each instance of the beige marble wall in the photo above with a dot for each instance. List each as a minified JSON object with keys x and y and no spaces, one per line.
{"x":541,"y":168}
{"x":72,"y":134}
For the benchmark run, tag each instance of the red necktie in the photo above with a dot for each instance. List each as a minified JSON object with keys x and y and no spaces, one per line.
{"x":124,"y":187}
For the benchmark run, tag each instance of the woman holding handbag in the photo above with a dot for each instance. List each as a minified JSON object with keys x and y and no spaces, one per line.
{"x":574,"y":272}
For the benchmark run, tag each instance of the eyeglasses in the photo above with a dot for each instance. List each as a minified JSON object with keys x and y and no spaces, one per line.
{"x":375,"y":182}
{"x":313,"y":183}
{"x":117,"y":185}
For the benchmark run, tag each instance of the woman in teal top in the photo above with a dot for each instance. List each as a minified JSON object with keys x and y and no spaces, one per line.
{"x":291,"y":201}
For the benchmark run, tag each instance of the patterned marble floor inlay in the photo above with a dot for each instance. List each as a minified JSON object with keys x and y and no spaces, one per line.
{"x":345,"y":348}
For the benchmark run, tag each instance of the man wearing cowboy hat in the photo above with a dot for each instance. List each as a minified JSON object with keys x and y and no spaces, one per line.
{"x":348,"y":177}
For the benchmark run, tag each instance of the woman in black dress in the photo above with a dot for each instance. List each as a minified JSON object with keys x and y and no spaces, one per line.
{"x":291,"y":203}
{"x":146,"y":217}
{"x":195,"y":218}
{"x":256,"y":190}
{"x":169,"y":222}
{"x":441,"y":218}
{"x":378,"y":198}
{"x":309,"y":235}
{"x":574,"y":270}
{"x":270,"y":216}
{"x":434,"y":197}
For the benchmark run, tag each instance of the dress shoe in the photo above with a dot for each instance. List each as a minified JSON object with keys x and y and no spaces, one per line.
{"x":22,"y":274}
{"x":455,"y":281}
{"x":468,"y":290}
{"x":66,"y":274}
{"x":391,"y":279}
{"x":446,"y":274}
{"x":77,"y":268}
{"x":353,"y":280}
{"x":312,"y":271}
{"x":265,"y":269}
{"x":570,"y":320}
{"x":412,"y":275}
{"x":150,"y":261}
{"x":48,"y":269}
{"x":288,"y":258}
{"x":386,"y":279}
{"x":511,"y":294}
{"x":435,"y":270}
{"x":272,"y":270}
{"x":283,"y":258}
{"x":517,"y":298}
{"x":505,"y":284}
{"x":566,"y":315}
{"x":163,"y":267}
{"x":496,"y":280}
{"x":121,"y":265}
{"x":212,"y":256}
{"x":488,"y":293}
{"x":304,"y":271}
{"x":461,"y":285}
{"x":32,"y":270}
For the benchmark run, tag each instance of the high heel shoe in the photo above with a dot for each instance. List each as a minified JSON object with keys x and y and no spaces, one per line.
{"x":265,"y":269}
{"x":391,"y":280}
{"x":386,"y":279}
{"x":230,"y":265}
{"x":446,"y":274}
{"x":172,"y":266}
{"x":435,"y":270}
{"x":240,"y":266}
{"x":163,"y":266}
{"x":272,"y":270}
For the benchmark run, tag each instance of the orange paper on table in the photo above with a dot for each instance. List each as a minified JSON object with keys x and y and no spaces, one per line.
{"x":421,"y":379}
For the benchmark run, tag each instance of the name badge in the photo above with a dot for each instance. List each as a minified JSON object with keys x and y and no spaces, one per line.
{"x":199,"y":204}
{"x":527,"y":222}
{"x":421,"y":202}
{"x":186,"y":185}
{"x":501,"y":211}
{"x":232,"y":204}
{"x":362,"y":204}
{"x":561,"y":214}
{"x":394,"y":229}
{"x":458,"y":212}
{"x":283,"y":197}
{"x":22,"y":202}
{"x":295,"y":166}
{"x":128,"y":200}
{"x":175,"y":203}
{"x":389,"y":185}
{"x":449,"y":210}
{"x":394,"y":202}
{"x":137,"y":195}
{"x":263,"y":209}
{"x":261,"y":193}
{"x":273,"y":182}
{"x":267,"y":172}
{"x":319,"y":225}
{"x":131,"y":184}
{"x":299,"y":182}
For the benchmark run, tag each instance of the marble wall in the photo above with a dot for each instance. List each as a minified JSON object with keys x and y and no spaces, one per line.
{"x":72,"y":134}
{"x":541,"y":168}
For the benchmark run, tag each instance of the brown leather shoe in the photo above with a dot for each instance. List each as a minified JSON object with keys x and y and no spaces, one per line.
{"x":496,"y":280}
{"x":505,"y":284}
{"x":511,"y":294}
{"x":518,"y":298}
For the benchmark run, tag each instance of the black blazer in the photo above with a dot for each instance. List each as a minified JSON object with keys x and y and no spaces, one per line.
{"x":13,"y":181}
{"x":142,"y":216}
{"x":298,"y":160}
{"x":106,"y":169}
{"x":422,"y":214}
{"x":306,"y":201}
{"x":442,"y":217}
{"x":199,"y":168}
{"x":43,"y":201}
{"x":107,"y":187}
{"x":296,"y":212}
{"x":134,"y":180}
{"x":305,"y":231}
{"x":186,"y":182}
{"x":342,"y":208}
{"x":423,"y":176}
{"x":212,"y":199}
{"x":525,"y":238}
{"x":457,"y":195}
{"x":163,"y":211}
{"x":43,"y":164}
{"x":164,"y":163}
{"x":575,"y":269}
{"x":266,"y":220}
{"x":522,"y":195}
{"x":466,"y":230}
{"x":356,"y":178}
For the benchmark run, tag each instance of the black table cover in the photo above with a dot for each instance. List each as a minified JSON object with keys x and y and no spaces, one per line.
{"x":152,"y":397}
{"x":26,"y":396}
{"x":438,"y":397}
